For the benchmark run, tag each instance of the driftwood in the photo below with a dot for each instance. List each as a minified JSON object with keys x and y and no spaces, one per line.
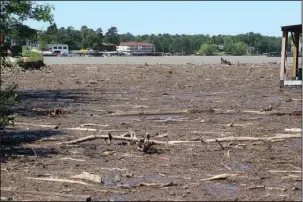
{"x":294,"y":177}
{"x":68,"y":158}
{"x":92,"y":124}
{"x":219,"y":177}
{"x":52,"y":194}
{"x":155,"y":142}
{"x":150,"y":112}
{"x":37,"y":125}
{"x":92,"y":129}
{"x":226,"y":62}
{"x":2,"y":169}
{"x":60,"y":180}
{"x":256,"y":112}
{"x":285,"y":171}
{"x":78,"y":128}
{"x":89,"y":177}
{"x":296,"y":130}
{"x":157,"y":184}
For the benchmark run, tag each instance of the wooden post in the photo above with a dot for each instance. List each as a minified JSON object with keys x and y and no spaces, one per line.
{"x":295,"y":55}
{"x":283,"y":57}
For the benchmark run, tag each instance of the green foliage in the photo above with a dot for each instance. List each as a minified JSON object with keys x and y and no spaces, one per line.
{"x":8,"y":98}
{"x":32,"y":56}
{"x":239,"y":48}
{"x":112,"y":36}
{"x":12,"y":14}
{"x":167,"y":43}
{"x":207,"y":49}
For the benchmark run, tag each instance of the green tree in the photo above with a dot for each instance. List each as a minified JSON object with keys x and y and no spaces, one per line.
{"x":239,"y":48}
{"x":112,"y":36}
{"x":207,"y":49}
{"x":127,"y":37}
{"x":12,"y":14}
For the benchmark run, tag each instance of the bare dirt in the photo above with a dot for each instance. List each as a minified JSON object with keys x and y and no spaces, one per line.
{"x":93,"y":94}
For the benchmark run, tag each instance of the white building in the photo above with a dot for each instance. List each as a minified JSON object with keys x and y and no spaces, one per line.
{"x":136,"y":47}
{"x":57,"y":48}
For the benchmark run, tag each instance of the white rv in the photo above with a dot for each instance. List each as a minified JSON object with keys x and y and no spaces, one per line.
{"x":58,"y":49}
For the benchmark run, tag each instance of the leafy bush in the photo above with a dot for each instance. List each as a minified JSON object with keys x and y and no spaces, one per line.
{"x":34,"y":60}
{"x":8,"y":98}
{"x":32,"y":55}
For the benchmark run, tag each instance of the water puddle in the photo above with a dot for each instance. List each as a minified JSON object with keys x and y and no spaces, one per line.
{"x":115,"y":197}
{"x":244,"y":166}
{"x":291,"y":144}
{"x":112,"y":179}
{"x":235,"y":165}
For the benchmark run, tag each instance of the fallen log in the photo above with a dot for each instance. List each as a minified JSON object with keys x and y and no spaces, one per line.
{"x":173,"y":142}
{"x":277,"y":136}
{"x":51,"y":194}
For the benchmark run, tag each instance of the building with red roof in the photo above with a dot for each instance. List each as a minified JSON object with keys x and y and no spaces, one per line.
{"x":136,"y":47}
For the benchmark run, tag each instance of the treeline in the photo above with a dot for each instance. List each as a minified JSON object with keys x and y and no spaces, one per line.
{"x":241,"y":44}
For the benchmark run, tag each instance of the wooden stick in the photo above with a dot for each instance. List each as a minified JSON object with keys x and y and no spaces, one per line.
{"x":68,"y":158}
{"x":38,"y":125}
{"x":285,"y":171}
{"x":296,"y":130}
{"x":219,"y":177}
{"x":280,"y":113}
{"x":220,"y":144}
{"x":137,"y":113}
{"x":78,"y":128}
{"x":92,"y":124}
{"x":68,"y":196}
{"x":59,"y":180}
{"x":92,"y":129}
{"x":2,"y":169}
{"x":157,"y":184}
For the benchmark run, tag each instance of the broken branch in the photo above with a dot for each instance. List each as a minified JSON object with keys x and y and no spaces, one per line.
{"x":223,"y":139}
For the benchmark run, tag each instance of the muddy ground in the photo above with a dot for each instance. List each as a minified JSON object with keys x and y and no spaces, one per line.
{"x":215,"y":97}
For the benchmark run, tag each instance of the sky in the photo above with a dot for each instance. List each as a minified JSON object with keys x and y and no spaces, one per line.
{"x":176,"y":17}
